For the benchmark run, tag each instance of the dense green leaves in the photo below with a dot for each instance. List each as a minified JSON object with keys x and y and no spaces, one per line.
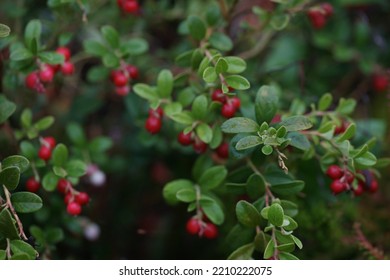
{"x":49,"y":181}
{"x":199,"y":107}
{"x":110,"y":35}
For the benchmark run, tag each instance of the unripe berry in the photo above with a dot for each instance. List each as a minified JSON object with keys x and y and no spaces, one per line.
{"x":46,"y":74}
{"x":67,"y":68}
{"x":223,"y":150}
{"x":380,"y":82}
{"x":49,"y":141}
{"x":82,"y":198}
{"x":338,"y":187}
{"x":334,"y":172}
{"x":185,"y":139}
{"x":132,"y":71}
{"x":210,"y":231}
{"x":44,"y":153}
{"x":193,"y":226}
{"x":65,"y":52}
{"x":218,"y":96}
{"x":228,"y":110}
{"x":199,"y":147}
{"x":32,"y":185}
{"x":63,"y":186}
{"x":73,"y":208}
{"x":153,"y":125}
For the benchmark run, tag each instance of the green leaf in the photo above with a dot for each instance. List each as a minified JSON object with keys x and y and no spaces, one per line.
{"x":54,"y":235}
{"x":20,"y":256}
{"x":210,"y":75}
{"x":299,"y":141}
{"x":100,"y":145}
{"x":7,"y":108}
{"x":199,"y":107}
{"x":267,"y":150}
{"x":4,"y":32}
{"x":276,"y":215}
{"x":28,"y":150}
{"x":240,"y":125}
{"x":95,"y":48}
{"x":255,"y":186}
{"x":280,"y":21}
{"x":21,"y":54}
{"x":97,"y":74}
{"x":237,"y":82}
{"x":247,"y":214}
{"x":348,"y":134}
{"x":196,"y":27}
{"x":287,"y":247}
{"x":269,"y":250}
{"x":52,"y":58}
{"x":297,"y":242}
{"x":266,"y":104}
{"x":248,"y":142}
{"x":111,"y":36}
{"x":134,"y":46}
{"x":289,"y":208}
{"x":26,"y":118}
{"x":145,"y":91}
{"x":296,"y":123}
{"x":346,"y":106}
{"x":165,"y":83}
{"x":44,"y":123}
{"x":49,"y":181}
{"x":292,"y":224}
{"x":221,"y":66}
{"x":76,"y":168}
{"x":288,"y":188}
{"x":325,"y":102}
{"x":60,"y":171}
{"x":287,"y":256}
{"x":213,"y":177}
{"x":9,"y":177}
{"x":7,"y":225}
{"x":184,"y":117}
{"x":173,"y":108}
{"x":213,"y":14}
{"x":60,"y":155}
{"x":365,"y":160}
{"x":243,"y":253}
{"x":236,"y":65}
{"x":26,"y":202}
{"x":76,"y":134}
{"x":3,"y":254}
{"x":172,"y":188}
{"x":21,"y":247}
{"x":21,"y":162}
{"x":212,"y":210}
{"x":110,"y":60}
{"x":186,"y":195}
{"x":217,"y":137}
{"x":32,"y":35}
{"x":204,"y":132}
{"x":220,"y":41}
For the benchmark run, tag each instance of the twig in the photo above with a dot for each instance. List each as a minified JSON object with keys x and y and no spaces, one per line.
{"x":11,"y":207}
{"x":363,"y":241}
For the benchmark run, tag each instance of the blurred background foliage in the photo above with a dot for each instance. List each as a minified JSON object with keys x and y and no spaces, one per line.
{"x":134,"y":220}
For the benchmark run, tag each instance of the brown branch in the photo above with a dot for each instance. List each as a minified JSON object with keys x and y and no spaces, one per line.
{"x":11,"y":207}
{"x":364,"y":243}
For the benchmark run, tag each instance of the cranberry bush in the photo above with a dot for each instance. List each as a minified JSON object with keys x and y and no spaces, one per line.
{"x":237,"y":97}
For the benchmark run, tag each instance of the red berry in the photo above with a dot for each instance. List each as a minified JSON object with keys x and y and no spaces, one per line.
{"x":359,"y":189}
{"x":82,"y":198}
{"x":218,"y":96}
{"x":122,"y":91}
{"x":337,"y":186}
{"x":67,"y":68}
{"x":49,"y":141}
{"x":120,"y":3}
{"x":46,"y":74}
{"x":223,"y":150}
{"x":32,"y":185}
{"x":63,"y":186}
{"x":210,"y":231}
{"x":349,"y":177}
{"x":228,"y":110}
{"x":380,"y":82}
{"x":69,"y":197}
{"x":44,"y":153}
{"x":185,"y":139}
{"x":32,"y":80}
{"x":120,"y":79}
{"x":158,"y":113}
{"x":235,"y":101}
{"x":193,"y":226}
{"x":132,"y":71}
{"x":327,"y":8}
{"x":199,"y":147}
{"x":153,"y":125}
{"x":317,"y":18}
{"x":73,"y":208}
{"x":373,"y":186}
{"x":130,"y":6}
{"x":65,"y":52}
{"x":334,"y":172}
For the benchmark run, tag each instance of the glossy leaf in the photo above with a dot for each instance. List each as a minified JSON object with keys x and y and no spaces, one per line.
{"x":199,"y":107}
{"x":204,"y":132}
{"x":212,"y":210}
{"x":49,"y":181}
{"x":255,"y":186}
{"x":111,"y":36}
{"x":221,"y":66}
{"x":184,"y":117}
{"x":145,"y":91}
{"x":236,"y":65}
{"x":21,"y":247}
{"x":248,"y":142}
{"x":60,"y":155}
{"x":269,"y":250}
{"x":52,"y":58}
{"x":172,"y":188}
{"x":165,"y":83}
{"x":237,"y":82}
{"x":276,"y":214}
{"x":221,"y":41}
{"x":210,"y":75}
{"x":21,"y":54}
{"x":299,"y":141}
{"x":134,"y":46}
{"x":9,"y":177}
{"x":44,"y":123}
{"x":186,"y":195}
{"x":288,"y":188}
{"x":247,"y":214}
{"x":325,"y":102}
{"x":212,"y":177}
{"x":7,"y":225}
{"x":32,"y":34}
{"x":76,"y":168}
{"x":296,"y":123}
{"x":196,"y":27}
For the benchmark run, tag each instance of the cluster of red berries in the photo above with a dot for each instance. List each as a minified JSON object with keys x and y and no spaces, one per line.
{"x":201,"y":228}
{"x":47,"y":145}
{"x":121,"y":78}
{"x":319,"y":14}
{"x":128,"y":6}
{"x":154,"y":121}
{"x":230,"y":105}
{"x":380,"y":82}
{"x":37,"y":79}
{"x":73,"y":199}
{"x":343,"y":179}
